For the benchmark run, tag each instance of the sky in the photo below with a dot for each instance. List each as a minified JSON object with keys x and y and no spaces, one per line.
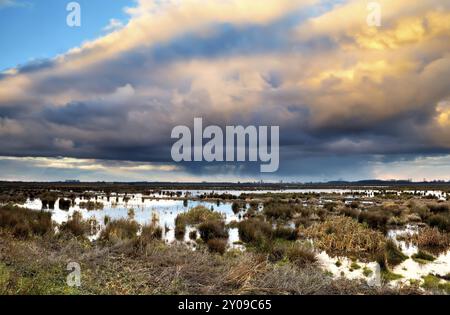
{"x":98,"y":102}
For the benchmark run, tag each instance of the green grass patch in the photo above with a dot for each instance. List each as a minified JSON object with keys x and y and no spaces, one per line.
{"x":433,"y":283}
{"x":390,"y":276}
{"x":367,"y":272}
{"x":423,"y":257}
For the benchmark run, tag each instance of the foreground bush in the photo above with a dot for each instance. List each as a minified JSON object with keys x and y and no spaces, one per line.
{"x":24,"y":222}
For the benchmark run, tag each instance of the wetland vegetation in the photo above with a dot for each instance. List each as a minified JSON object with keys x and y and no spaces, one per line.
{"x":157,"y":240}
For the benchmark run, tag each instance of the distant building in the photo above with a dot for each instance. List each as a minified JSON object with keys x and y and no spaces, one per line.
{"x":71,"y":181}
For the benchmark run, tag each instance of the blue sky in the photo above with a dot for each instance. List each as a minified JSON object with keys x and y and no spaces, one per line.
{"x":37,"y":29}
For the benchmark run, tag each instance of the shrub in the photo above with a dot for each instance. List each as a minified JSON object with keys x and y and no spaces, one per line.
{"x":433,"y":283}
{"x":193,"y":235}
{"x":439,"y":207}
{"x":354,"y":204}
{"x":121,"y":229}
{"x":25,"y":222}
{"x":344,"y":236}
{"x":22,"y":230}
{"x":151,"y":232}
{"x":198,"y":215}
{"x":76,"y":225}
{"x":48,"y":200}
{"x":301,"y":255}
{"x":423,"y":257}
{"x":254,"y":230}
{"x":281,"y":211}
{"x":91,"y":205}
{"x":430,"y":238}
{"x":212,"y":230}
{"x":180,"y":229}
{"x":419,"y":208}
{"x":394,"y":256}
{"x":440,"y":221}
{"x":297,"y":253}
{"x":236,"y":207}
{"x":350,"y":212}
{"x":374,"y":218}
{"x":194,"y":216}
{"x":217,"y":245}
{"x":64,"y":204}
{"x":286,"y":233}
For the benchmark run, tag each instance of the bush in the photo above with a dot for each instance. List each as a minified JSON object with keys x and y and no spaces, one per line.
{"x":439,"y":207}
{"x":180,"y":229}
{"x":151,"y":232}
{"x":394,"y":256}
{"x":423,"y":256}
{"x":294,"y":252}
{"x":350,"y":212}
{"x":254,"y":230}
{"x":281,"y":211}
{"x":91,"y":205}
{"x":285,"y":233}
{"x":344,"y":236}
{"x":430,"y":238}
{"x":212,"y":230}
{"x":76,"y":225}
{"x":193,"y":235}
{"x":236,"y":207}
{"x":121,"y":229}
{"x":25,"y":222}
{"x":198,"y":215}
{"x":194,"y":216}
{"x":48,"y":200}
{"x":217,"y":245}
{"x":440,"y":221}
{"x":374,"y":218}
{"x":64,"y":204}
{"x":22,"y":230}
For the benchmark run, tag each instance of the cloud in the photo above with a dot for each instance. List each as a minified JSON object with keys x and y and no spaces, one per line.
{"x":14,"y":3}
{"x":343,"y":93}
{"x":113,"y":25}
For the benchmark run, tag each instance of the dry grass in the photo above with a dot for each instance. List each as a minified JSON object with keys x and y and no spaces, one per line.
{"x":24,"y":222}
{"x":121,"y":229}
{"x":76,"y":226}
{"x":344,"y":236}
{"x":430,"y":238}
{"x":212,"y":230}
{"x":217,"y":245}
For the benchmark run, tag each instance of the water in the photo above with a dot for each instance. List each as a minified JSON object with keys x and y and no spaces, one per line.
{"x":145,"y":210}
